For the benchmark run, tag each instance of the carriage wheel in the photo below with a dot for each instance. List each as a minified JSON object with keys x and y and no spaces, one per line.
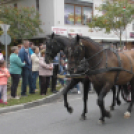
{"x":126,"y":95}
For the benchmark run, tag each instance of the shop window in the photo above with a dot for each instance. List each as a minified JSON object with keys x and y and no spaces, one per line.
{"x":77,"y":14}
{"x":87,"y":15}
{"x":69,"y":14}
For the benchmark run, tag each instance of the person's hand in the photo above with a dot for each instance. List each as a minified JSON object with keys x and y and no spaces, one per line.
{"x":51,"y":68}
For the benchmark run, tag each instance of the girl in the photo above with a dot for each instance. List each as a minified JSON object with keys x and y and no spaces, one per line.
{"x":4,"y":75}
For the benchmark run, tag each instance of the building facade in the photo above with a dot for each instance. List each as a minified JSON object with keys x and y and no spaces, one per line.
{"x":70,"y":17}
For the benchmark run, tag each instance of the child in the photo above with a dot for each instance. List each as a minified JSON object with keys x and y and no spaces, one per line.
{"x":4,"y":75}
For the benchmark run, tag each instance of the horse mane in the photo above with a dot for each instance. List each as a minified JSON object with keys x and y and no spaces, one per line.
{"x":91,"y":40}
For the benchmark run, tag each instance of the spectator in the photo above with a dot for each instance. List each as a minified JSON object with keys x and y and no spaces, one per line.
{"x":41,"y":46}
{"x":45,"y":72}
{"x":15,"y":71}
{"x":35,"y":66}
{"x":1,"y":55}
{"x":4,"y":75}
{"x":55,"y":72}
{"x":24,"y":54}
{"x":31,"y":45}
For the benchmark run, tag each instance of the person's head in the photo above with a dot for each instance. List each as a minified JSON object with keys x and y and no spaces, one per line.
{"x":41,"y":46}
{"x":26,"y":44}
{"x":2,"y":63}
{"x":15,"y":50}
{"x":31,"y":44}
{"x":42,"y":53}
{"x":36,"y":49}
{"x":0,"y":51}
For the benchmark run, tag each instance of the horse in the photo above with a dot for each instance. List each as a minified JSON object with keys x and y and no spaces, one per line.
{"x":106,"y":68}
{"x":53,"y":46}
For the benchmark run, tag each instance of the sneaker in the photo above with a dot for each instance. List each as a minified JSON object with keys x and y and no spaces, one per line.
{"x":79,"y":92}
{"x":5,"y":103}
{"x":17,"y":98}
{"x":1,"y":101}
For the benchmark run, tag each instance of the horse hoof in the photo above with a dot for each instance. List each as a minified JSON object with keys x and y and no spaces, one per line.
{"x":101,"y":122}
{"x":108,"y":114}
{"x":111,"y":108}
{"x":70,"y":110}
{"x":118,"y":103}
{"x":83,"y":118}
{"x":127,"y":115}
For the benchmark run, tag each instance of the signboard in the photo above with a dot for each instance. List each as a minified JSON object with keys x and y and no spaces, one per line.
{"x":60,"y":31}
{"x":131,"y":34}
{"x":5,"y":27}
{"x":5,"y":39}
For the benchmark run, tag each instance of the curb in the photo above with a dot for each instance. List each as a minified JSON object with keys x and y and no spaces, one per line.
{"x":29,"y":105}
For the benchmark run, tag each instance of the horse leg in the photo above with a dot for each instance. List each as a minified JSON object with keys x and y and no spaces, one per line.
{"x":114,"y":98}
{"x":85,"y":97}
{"x":118,"y":96}
{"x":128,"y":113}
{"x":104,"y":112}
{"x":66,"y":90}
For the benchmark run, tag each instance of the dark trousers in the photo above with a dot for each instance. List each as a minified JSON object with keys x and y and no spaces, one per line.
{"x":15,"y":78}
{"x":44,"y":84}
{"x":54,"y":76}
{"x":26,"y":79}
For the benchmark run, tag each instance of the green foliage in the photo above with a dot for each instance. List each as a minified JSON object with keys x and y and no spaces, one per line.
{"x":24,"y":21}
{"x":117,"y":15}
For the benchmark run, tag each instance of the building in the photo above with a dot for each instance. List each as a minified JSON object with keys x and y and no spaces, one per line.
{"x":70,"y":17}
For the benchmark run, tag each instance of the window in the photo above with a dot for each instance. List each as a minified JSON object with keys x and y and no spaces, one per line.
{"x":37,"y":5}
{"x":15,"y":5}
{"x":77,"y":14}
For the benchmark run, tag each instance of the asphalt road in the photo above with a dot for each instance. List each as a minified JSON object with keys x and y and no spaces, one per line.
{"x":54,"y":119}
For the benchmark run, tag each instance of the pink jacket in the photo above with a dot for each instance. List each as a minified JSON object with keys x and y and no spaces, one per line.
{"x":44,"y":68}
{"x":3,"y":78}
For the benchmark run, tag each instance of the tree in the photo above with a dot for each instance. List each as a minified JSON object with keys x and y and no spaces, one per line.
{"x":24,"y":21}
{"x":117,"y":15}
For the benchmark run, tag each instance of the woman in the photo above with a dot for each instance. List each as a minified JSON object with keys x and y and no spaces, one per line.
{"x":45,"y":72}
{"x":15,"y":71}
{"x":35,"y":66}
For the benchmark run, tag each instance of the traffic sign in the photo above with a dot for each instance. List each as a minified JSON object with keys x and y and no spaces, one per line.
{"x":5,"y":27}
{"x":5,"y":39}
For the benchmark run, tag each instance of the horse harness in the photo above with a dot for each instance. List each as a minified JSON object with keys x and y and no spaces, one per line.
{"x":106,"y":69}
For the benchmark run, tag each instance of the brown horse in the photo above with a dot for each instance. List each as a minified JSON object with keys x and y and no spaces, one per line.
{"x":106,"y":68}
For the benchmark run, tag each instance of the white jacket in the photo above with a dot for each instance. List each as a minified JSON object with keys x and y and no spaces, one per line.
{"x":35,"y":62}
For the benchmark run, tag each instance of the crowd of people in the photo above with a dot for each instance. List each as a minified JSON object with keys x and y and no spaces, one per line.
{"x":27,"y":64}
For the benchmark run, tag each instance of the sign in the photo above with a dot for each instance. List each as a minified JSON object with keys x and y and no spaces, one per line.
{"x":60,"y":31}
{"x":5,"y":27}
{"x":131,"y":34}
{"x":5,"y":39}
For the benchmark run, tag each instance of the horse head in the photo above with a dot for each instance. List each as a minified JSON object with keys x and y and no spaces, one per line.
{"x":52,"y":48}
{"x":75,"y":53}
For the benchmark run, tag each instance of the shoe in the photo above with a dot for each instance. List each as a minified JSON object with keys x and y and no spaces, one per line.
{"x":24,"y":95}
{"x":32,"y":93}
{"x":36,"y":90}
{"x":1,"y":101}
{"x":5,"y":103}
{"x":54,"y":91}
{"x":17,"y":98}
{"x":79,"y":92}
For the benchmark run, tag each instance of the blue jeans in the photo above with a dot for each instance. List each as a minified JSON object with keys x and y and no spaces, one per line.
{"x":26,"y":80}
{"x":61,"y":80}
{"x":35,"y":75}
{"x":77,"y":86}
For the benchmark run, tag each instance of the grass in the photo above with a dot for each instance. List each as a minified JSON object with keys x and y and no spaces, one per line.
{"x":29,"y":98}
